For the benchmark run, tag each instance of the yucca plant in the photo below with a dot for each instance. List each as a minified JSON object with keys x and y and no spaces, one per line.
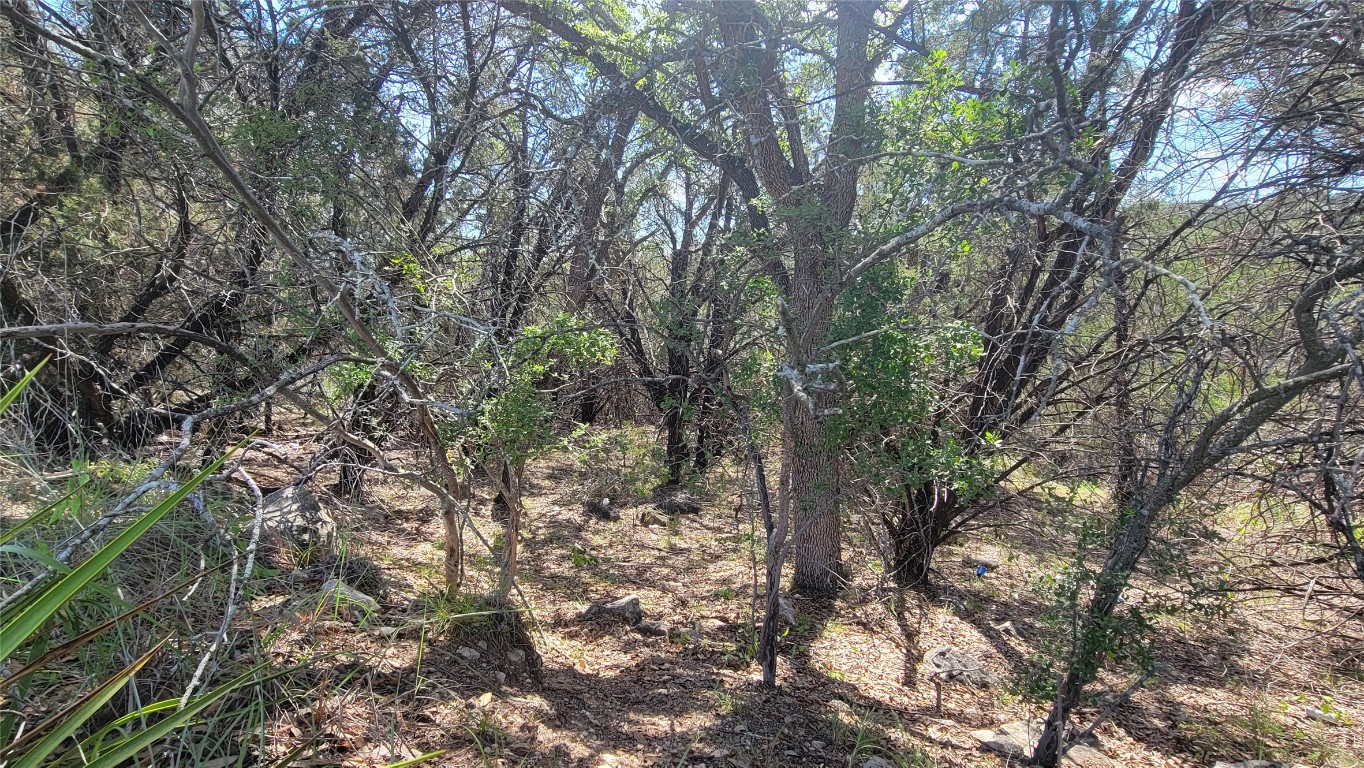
{"x":25,"y":639}
{"x":79,"y":730}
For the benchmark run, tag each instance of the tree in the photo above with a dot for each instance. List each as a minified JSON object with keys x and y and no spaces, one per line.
{"x":1297,"y":225}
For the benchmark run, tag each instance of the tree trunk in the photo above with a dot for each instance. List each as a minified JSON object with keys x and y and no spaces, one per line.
{"x":1094,"y":627}
{"x":511,"y":491}
{"x":814,"y":488}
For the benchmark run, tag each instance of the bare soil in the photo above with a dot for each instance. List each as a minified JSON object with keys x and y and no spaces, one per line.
{"x":420,"y":677}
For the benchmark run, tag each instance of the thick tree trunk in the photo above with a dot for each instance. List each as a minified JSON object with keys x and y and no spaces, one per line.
{"x":813,"y":461}
{"x":917,"y":531}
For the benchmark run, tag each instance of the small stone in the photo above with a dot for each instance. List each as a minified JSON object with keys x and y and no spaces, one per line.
{"x":501,"y":677}
{"x":338,"y":599}
{"x":468,"y":653}
{"x":626,"y":609}
{"x":680,"y":504}
{"x":389,"y":632}
{"x":651,"y":518}
{"x":1016,"y":741}
{"x":516,"y":655}
{"x":816,"y":745}
{"x":601,"y":510}
{"x":786,"y":612}
{"x":652,"y":628}
{"x":949,"y":663}
{"x":710,"y":626}
{"x":876,"y":761}
{"x":1322,"y":716}
{"x":482,"y":645}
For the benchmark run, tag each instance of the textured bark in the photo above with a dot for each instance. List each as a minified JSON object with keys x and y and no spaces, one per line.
{"x":916,"y":531}
{"x":812,"y":496}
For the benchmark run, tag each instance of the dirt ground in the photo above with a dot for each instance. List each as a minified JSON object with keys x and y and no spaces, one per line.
{"x":419,"y":676}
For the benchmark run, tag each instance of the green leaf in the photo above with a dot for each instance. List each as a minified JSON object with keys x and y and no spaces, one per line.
{"x":416,"y":760}
{"x":13,"y":394}
{"x":15,"y":633}
{"x":8,"y":535}
{"x":68,"y":720}
{"x":143,"y":739}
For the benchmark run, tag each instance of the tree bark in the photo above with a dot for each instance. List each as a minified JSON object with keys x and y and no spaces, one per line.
{"x":813,"y":459}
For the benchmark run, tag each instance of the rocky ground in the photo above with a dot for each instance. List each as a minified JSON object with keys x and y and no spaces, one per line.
{"x":879,"y":678}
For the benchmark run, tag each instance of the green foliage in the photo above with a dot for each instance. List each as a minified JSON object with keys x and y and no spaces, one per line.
{"x":896,"y":378}
{"x":617,"y":463}
{"x":515,"y":423}
{"x":1124,"y":638}
{"x":41,"y":630}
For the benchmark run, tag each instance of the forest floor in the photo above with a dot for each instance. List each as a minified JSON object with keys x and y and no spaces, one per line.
{"x":420,"y":677}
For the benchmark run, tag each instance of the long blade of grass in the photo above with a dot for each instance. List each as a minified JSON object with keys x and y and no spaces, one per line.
{"x":8,"y":535}
{"x":42,"y":558}
{"x":13,"y":394}
{"x":15,"y":633}
{"x":66,"y":648}
{"x":141,"y":740}
{"x":416,"y":760}
{"x":65,"y":722}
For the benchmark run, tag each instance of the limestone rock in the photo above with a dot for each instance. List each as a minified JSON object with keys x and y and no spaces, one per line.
{"x":364,"y":575}
{"x":625,"y":609}
{"x":949,"y":663}
{"x":679,"y":504}
{"x":652,"y":628}
{"x":467,"y":653}
{"x":340,"y":600}
{"x":295,"y":530}
{"x":652,"y":517}
{"x":786,"y":612}
{"x":601,"y":509}
{"x":1016,"y":741}
{"x":1256,"y":764}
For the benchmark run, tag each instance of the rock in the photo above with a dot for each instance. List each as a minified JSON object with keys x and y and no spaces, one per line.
{"x":336,"y":598}
{"x":467,"y":653}
{"x":389,"y":632}
{"x":363,"y":574}
{"x":516,"y":655}
{"x":679,"y":504}
{"x":601,"y":509}
{"x":652,"y":628}
{"x":786,"y":612}
{"x":710,"y":626}
{"x":1256,"y":764}
{"x":975,"y":562}
{"x":876,"y":761}
{"x":1006,"y":628}
{"x":949,"y":663}
{"x":1084,"y":756}
{"x":1016,"y":741}
{"x":651,"y":518}
{"x":1322,"y":716}
{"x":295,"y":530}
{"x":625,"y":609}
